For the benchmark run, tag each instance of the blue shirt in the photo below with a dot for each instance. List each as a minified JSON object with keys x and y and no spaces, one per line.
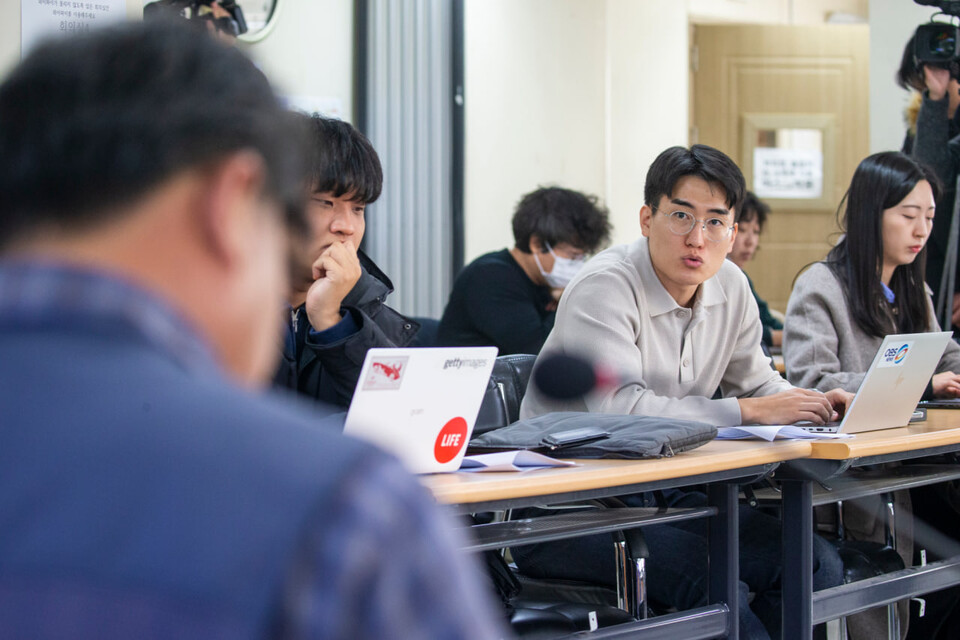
{"x":132,"y":468}
{"x":888,"y":293}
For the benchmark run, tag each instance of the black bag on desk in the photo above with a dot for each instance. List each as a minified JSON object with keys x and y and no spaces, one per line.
{"x":571,"y":434}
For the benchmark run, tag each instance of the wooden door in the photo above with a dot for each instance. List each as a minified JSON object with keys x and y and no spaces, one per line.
{"x":748,"y":78}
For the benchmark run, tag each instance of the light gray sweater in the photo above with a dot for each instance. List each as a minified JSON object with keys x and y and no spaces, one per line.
{"x":668,"y":359}
{"x":823,"y":347}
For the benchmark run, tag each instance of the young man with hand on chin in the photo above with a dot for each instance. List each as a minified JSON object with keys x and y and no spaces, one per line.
{"x":338,"y":309}
{"x":676,"y":321}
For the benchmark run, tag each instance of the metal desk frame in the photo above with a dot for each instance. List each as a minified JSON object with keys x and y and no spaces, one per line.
{"x":719,"y":617}
{"x":802,"y":607}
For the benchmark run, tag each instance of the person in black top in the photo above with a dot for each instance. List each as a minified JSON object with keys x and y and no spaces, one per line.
{"x":508,"y":298}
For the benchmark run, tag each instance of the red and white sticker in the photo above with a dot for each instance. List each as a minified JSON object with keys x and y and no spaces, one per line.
{"x":386,"y":373}
{"x":452,"y":438}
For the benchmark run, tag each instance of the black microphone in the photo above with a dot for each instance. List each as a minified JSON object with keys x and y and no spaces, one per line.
{"x":564,"y":377}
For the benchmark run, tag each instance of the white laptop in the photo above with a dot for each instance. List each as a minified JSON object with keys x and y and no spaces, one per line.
{"x":421,"y":404}
{"x":893,"y":384}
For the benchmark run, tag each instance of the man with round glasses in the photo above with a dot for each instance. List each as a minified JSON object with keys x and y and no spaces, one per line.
{"x":714,"y":229}
{"x":678,"y":325}
{"x":672,"y":317}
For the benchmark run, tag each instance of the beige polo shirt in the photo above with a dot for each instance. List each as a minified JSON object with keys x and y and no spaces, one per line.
{"x":668,"y":360}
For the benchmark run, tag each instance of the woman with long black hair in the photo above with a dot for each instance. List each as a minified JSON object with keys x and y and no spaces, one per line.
{"x":871,"y":283}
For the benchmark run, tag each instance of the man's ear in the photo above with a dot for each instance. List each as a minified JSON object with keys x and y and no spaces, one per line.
{"x":232,"y":196}
{"x":646,"y":216}
{"x":536,"y":244}
{"x":733,"y":237}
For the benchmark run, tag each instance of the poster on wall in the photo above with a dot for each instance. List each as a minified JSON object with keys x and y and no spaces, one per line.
{"x":787,"y":173}
{"x":43,"y":18}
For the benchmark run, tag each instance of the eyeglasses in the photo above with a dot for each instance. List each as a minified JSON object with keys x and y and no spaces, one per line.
{"x":681,"y":223}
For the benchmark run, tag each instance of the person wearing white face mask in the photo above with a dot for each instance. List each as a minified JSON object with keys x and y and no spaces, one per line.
{"x":564,"y":269}
{"x":508,"y":298}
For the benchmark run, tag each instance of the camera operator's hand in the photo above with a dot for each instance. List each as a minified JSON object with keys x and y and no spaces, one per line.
{"x":219,"y":13}
{"x":335,"y":273}
{"x":937,"y":81}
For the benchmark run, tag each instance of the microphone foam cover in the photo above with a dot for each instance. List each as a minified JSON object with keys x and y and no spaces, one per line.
{"x":564,"y":377}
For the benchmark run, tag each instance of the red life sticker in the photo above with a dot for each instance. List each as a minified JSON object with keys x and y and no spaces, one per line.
{"x":452,"y":438}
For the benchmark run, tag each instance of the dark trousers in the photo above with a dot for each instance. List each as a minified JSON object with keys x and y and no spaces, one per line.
{"x":677,"y":567}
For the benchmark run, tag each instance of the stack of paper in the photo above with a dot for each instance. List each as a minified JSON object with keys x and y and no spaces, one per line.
{"x":511,"y":461}
{"x":772,"y":432}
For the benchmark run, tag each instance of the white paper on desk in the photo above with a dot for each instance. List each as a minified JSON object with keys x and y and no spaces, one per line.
{"x":772,"y":432}
{"x":511,"y":461}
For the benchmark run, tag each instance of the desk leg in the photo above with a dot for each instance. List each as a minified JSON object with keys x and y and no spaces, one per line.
{"x":797,"y":560}
{"x":725,"y":551}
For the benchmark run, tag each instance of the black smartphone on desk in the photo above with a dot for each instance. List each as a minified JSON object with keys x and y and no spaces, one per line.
{"x":573,"y":437}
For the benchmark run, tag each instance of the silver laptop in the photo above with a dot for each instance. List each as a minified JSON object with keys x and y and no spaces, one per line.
{"x":421,"y":404}
{"x":893,"y":384}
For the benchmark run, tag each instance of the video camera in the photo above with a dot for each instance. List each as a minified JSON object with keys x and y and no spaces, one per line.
{"x":938,"y":43}
{"x":232,"y":25}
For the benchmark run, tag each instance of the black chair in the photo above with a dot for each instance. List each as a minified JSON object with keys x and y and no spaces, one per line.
{"x":427,"y":334}
{"x":546,"y":607}
{"x":501,"y":400}
{"x":863,"y":559}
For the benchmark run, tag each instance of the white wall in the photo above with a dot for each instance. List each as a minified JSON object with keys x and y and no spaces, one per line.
{"x":648,"y":97}
{"x":309,"y":52}
{"x":892,"y":22}
{"x":9,"y":36}
{"x":534,"y":107}
{"x":578,"y":93}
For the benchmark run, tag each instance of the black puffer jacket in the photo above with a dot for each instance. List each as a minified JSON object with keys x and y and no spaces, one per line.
{"x":329,"y":372}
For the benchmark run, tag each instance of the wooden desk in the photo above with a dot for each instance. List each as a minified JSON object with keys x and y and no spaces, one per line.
{"x":715,"y":461}
{"x":779,"y":364}
{"x":940,"y":433}
{"x":719,"y":464}
{"x":940,"y":429}
{"x":801,"y":463}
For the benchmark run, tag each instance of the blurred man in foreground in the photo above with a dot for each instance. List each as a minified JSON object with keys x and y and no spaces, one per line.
{"x":150,"y":184}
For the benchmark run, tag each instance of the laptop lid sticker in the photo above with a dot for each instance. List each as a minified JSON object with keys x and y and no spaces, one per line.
{"x":451,"y":439}
{"x":895,"y":355}
{"x":385,"y":373}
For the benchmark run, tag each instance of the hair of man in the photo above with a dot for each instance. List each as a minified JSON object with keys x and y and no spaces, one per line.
{"x":84,"y":133}
{"x":753,"y":208}
{"x":557,"y":215}
{"x":342,"y":160}
{"x":881,"y":181}
{"x":711,"y":165}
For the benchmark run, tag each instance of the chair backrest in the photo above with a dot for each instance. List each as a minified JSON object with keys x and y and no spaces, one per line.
{"x":427,"y":334}
{"x":501,"y":400}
